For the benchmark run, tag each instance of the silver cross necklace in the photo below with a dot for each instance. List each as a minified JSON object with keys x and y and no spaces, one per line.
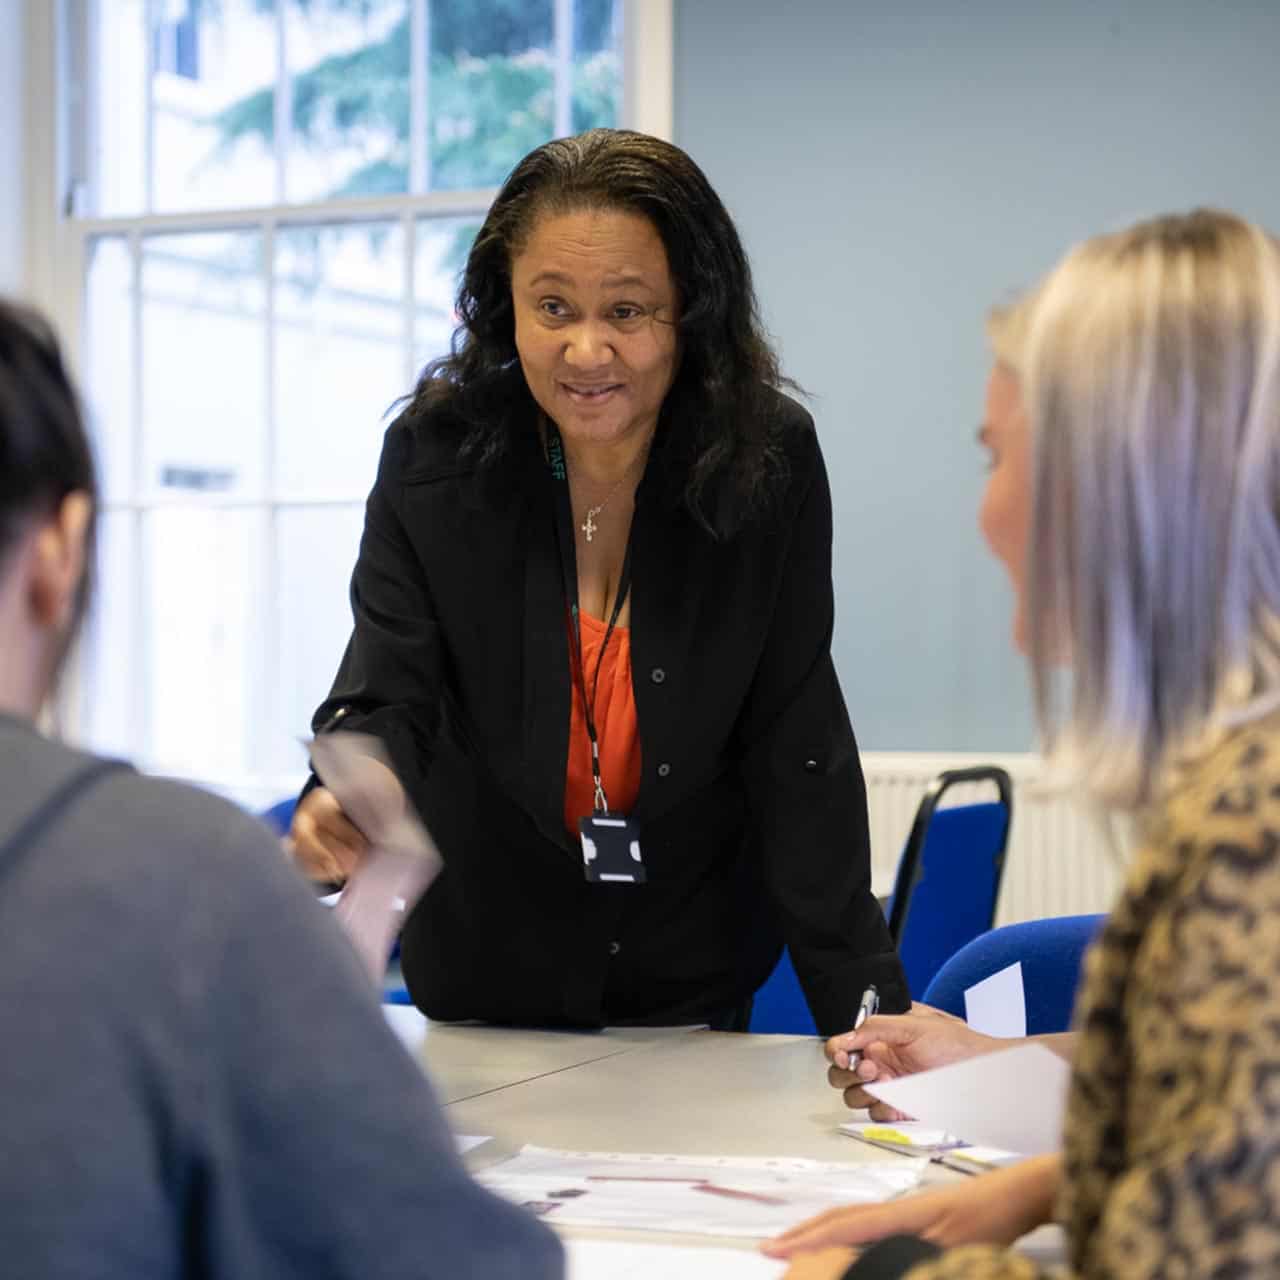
{"x":589,"y":525}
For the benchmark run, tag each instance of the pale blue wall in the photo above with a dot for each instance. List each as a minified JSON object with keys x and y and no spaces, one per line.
{"x":897,"y":165}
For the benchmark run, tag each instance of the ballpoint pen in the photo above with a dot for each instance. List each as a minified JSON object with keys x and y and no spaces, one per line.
{"x":867,"y":1007}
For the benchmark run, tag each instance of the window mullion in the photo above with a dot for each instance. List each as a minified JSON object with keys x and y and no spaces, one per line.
{"x":562,"y":38}
{"x":419,"y":89}
{"x":437,"y":204}
{"x":140,"y":703}
{"x":269,"y":674}
{"x":647,"y":72}
{"x":282,"y":131}
{"x":149,"y":105}
{"x":408,"y":229}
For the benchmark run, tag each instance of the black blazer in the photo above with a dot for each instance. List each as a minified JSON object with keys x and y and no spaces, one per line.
{"x":752,"y":805}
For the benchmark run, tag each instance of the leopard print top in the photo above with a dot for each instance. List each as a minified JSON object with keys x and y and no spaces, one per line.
{"x":1172,"y":1147}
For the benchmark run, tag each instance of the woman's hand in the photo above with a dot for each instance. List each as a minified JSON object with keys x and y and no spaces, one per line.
{"x":323,"y":841}
{"x":899,"y":1045}
{"x":993,"y":1208}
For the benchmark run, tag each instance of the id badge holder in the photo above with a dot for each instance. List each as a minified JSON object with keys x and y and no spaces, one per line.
{"x":611,"y":849}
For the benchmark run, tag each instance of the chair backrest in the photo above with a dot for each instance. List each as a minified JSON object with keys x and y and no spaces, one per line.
{"x":280,"y":816}
{"x":1050,"y":952}
{"x":779,"y":1007}
{"x":948,"y":882}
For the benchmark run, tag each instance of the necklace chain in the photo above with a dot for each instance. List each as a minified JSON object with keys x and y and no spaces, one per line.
{"x":589,"y":526}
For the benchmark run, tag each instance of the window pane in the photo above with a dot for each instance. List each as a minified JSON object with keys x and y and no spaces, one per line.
{"x":489,"y":79}
{"x":340,"y":350}
{"x":349,"y":88}
{"x":109,"y":670}
{"x":316,"y":552}
{"x":490,"y":91}
{"x":202,"y":613}
{"x":213,"y":104}
{"x":443,"y":245}
{"x":109,"y":358}
{"x":597,"y":65}
{"x":204,"y":362}
{"x":119,"y":107}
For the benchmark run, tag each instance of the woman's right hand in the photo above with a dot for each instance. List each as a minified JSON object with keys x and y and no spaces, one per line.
{"x":323,"y":841}
{"x":992,"y":1208}
{"x":899,"y":1045}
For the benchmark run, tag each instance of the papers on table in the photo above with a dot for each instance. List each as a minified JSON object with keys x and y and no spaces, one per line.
{"x":907,"y":1137}
{"x":402,"y":859}
{"x":997,"y":1006}
{"x":974,"y":1160}
{"x":1013,"y":1100}
{"x":410,"y":1025}
{"x":622,"y":1260}
{"x":911,"y":1138}
{"x":468,"y":1141}
{"x":699,"y":1195}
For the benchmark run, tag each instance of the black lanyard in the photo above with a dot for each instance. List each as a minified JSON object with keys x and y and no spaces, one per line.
{"x":569,"y":573}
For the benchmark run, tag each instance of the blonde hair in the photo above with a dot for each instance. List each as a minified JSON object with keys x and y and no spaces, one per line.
{"x":1149,"y":363}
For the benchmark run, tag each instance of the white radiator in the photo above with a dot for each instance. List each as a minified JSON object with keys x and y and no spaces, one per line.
{"x":1062,"y":859}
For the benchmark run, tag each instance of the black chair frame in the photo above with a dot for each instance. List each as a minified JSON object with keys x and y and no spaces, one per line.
{"x":909,"y":868}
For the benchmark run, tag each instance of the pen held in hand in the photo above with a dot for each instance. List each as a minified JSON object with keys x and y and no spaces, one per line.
{"x":867,"y":1008}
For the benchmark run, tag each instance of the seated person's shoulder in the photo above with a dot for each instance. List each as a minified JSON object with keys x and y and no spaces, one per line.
{"x":137,"y":843}
{"x":1235,"y":786}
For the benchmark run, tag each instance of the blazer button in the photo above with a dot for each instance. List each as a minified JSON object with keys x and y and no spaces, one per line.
{"x":664,"y":770}
{"x":614,"y":948}
{"x":811,"y":766}
{"x":657,"y":675}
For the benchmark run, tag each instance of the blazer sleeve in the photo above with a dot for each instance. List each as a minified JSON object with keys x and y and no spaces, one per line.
{"x":389,"y":681}
{"x":804,"y":783}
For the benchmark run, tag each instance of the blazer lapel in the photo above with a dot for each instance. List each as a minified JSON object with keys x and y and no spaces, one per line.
{"x":546,"y":666}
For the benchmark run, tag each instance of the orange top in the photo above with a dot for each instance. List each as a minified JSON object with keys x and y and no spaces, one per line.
{"x":616,"y":727}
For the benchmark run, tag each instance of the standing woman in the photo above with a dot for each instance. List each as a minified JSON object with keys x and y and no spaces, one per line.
{"x":595,"y":583}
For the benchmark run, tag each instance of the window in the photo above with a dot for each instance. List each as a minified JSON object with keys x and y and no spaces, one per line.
{"x":270,"y":202}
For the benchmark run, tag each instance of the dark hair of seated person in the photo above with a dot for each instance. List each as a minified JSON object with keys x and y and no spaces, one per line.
{"x":44,"y":450}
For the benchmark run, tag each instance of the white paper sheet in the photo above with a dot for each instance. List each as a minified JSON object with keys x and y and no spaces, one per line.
{"x":698,"y":1195}
{"x":997,"y":1006}
{"x":402,"y":859}
{"x":1013,"y":1099}
{"x":468,"y":1141}
{"x":623,"y":1260}
{"x":410,"y":1025}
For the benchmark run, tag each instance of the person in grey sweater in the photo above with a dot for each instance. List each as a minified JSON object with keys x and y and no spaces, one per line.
{"x":195,"y":1078}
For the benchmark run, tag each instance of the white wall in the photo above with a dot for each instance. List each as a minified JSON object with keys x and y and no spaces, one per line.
{"x":13,"y":189}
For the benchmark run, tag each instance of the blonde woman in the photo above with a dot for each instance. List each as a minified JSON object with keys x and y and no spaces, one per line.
{"x":1133,"y":422}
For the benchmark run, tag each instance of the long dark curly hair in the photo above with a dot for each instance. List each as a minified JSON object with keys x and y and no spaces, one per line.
{"x":718,"y":430}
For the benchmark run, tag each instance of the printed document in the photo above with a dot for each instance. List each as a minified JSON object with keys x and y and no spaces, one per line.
{"x":750,"y":1197}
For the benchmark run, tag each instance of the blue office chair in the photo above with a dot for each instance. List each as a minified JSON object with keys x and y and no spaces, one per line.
{"x":945,"y":893}
{"x":280,"y":816}
{"x":779,"y":1007}
{"x":1050,"y":951}
{"x":948,"y":881}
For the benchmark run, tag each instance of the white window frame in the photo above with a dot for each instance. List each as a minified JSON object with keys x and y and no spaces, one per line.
{"x":58,"y":237}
